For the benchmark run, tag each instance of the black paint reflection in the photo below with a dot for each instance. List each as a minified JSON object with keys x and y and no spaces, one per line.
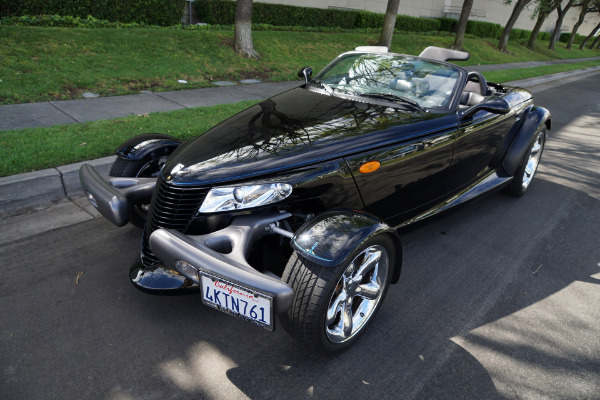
{"x":295,"y":128}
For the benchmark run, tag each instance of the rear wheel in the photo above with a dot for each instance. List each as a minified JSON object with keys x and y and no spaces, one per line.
{"x":529,"y":165}
{"x":333,"y":305}
{"x":144,"y":168}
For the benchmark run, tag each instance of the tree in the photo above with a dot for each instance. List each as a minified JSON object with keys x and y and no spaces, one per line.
{"x":561,"y":16}
{"x":502,"y":46}
{"x":587,"y":6}
{"x":461,"y":26}
{"x":389,"y":23}
{"x":545,"y":7}
{"x":591,"y":35}
{"x":242,"y":36}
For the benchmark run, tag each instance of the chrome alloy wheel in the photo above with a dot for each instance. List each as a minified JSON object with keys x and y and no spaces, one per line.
{"x":534,"y":159}
{"x":357,"y":294}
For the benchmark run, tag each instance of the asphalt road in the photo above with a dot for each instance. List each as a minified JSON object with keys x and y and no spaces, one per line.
{"x":499,"y":300}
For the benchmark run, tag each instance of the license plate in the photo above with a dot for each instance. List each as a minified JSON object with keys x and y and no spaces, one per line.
{"x":236,"y":300}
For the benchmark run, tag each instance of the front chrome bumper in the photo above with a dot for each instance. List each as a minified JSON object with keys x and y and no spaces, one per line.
{"x":112,"y":196}
{"x":191,"y":255}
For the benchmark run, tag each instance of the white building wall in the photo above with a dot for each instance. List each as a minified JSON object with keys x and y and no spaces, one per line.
{"x":493,"y":10}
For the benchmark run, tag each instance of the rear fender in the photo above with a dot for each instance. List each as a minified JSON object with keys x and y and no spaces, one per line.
{"x":330,"y":238}
{"x":534,"y":119}
{"x":149,"y":144}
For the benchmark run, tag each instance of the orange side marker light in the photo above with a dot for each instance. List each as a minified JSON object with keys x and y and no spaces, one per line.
{"x":369,"y":167}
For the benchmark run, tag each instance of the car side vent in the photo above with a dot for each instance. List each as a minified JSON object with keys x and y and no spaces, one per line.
{"x":173,"y":207}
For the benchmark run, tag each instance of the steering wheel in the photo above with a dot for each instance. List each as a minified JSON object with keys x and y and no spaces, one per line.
{"x":480,"y":79}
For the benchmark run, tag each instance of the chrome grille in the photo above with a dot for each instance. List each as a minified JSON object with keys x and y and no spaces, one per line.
{"x":172,"y":207}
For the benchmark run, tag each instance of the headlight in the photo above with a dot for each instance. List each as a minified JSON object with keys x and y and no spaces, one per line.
{"x":241,"y":197}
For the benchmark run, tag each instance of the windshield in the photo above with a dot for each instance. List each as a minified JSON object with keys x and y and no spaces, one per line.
{"x":400,"y":79}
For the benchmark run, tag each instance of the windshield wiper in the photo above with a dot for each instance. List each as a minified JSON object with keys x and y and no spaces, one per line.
{"x":325,"y":86}
{"x":394,"y":98}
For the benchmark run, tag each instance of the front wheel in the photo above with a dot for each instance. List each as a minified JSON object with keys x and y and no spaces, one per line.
{"x":529,"y":166}
{"x":333,"y":305}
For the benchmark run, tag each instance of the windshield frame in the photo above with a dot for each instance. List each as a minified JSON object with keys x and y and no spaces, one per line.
{"x":316,"y":85}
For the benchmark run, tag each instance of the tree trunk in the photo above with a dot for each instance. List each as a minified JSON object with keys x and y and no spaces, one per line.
{"x":511,"y":22}
{"x":561,"y":16}
{"x":461,"y":27}
{"x":596,"y":42}
{"x":591,"y":35}
{"x":584,"y":11}
{"x":536,"y":30}
{"x":388,"y":24}
{"x":242,"y":36}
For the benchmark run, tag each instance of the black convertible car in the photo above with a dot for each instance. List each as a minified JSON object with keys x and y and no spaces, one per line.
{"x":290,"y":209}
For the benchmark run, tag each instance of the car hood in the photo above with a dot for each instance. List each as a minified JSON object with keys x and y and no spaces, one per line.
{"x":298,"y":127}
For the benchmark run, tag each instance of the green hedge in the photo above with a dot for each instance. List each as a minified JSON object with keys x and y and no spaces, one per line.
{"x":366,"y":19}
{"x":69,"y":22}
{"x":519,"y":34}
{"x":223,"y":13}
{"x":475,"y":28}
{"x":484,"y":29}
{"x":447,"y":24}
{"x":151,"y":12}
{"x":415,"y":24}
{"x":564,"y":37}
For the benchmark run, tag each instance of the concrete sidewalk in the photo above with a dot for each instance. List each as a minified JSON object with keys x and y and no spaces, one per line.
{"x":40,"y":189}
{"x":32,"y":115}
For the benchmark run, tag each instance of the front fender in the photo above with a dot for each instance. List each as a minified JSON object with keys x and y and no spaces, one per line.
{"x":535,"y":118}
{"x":330,"y":238}
{"x":153,"y":144}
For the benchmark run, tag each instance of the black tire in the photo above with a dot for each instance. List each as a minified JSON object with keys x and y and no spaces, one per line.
{"x":136,"y":168}
{"x":317,"y":289}
{"x":526,"y":171}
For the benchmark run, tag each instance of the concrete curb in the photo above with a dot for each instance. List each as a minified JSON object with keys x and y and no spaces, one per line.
{"x":40,"y":189}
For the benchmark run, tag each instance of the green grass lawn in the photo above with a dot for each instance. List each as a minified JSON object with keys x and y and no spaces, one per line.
{"x":525,"y":73}
{"x":33,"y":149}
{"x":40,"y":64}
